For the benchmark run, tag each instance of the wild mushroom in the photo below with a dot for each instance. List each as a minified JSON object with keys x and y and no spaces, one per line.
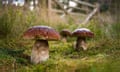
{"x":65,"y":33}
{"x":41,"y":35}
{"x":81,"y":35}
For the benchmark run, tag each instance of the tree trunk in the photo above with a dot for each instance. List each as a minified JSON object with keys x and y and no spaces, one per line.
{"x":43,"y":3}
{"x":10,"y":2}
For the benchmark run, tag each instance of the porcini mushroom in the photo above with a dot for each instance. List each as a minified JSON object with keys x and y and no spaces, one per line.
{"x":81,"y":35}
{"x":65,"y":33}
{"x":41,"y":35}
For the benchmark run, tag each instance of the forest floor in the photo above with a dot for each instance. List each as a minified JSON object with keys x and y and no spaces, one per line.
{"x":101,"y":56}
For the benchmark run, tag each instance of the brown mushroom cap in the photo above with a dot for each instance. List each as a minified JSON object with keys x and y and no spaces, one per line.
{"x":41,"y":32}
{"x":83,"y":33}
{"x":65,"y":32}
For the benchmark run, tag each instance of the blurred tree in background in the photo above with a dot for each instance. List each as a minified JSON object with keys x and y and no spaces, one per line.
{"x":115,"y":9}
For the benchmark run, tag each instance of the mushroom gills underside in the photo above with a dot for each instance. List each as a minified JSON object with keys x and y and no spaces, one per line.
{"x":40,"y":51}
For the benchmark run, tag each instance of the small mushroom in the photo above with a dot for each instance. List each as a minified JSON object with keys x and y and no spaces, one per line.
{"x":41,"y":35}
{"x":65,"y":33}
{"x":81,"y":35}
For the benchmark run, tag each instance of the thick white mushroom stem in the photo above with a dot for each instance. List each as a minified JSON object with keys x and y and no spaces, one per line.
{"x":81,"y":43}
{"x":40,"y":51}
{"x":64,"y":39}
